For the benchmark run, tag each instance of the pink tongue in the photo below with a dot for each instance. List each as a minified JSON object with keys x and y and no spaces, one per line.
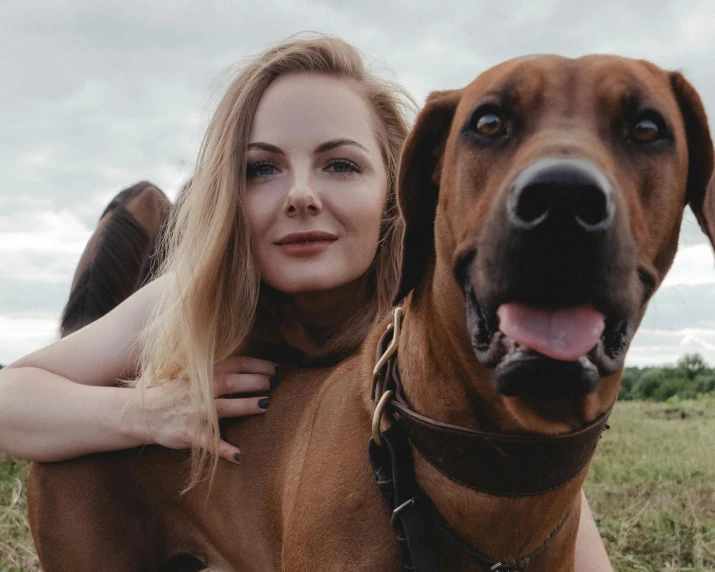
{"x":565,"y":334}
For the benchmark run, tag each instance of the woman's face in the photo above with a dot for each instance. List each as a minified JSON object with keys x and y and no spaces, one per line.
{"x":316,"y":184}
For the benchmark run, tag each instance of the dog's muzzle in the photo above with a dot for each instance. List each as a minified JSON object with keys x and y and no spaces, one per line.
{"x":557,"y":247}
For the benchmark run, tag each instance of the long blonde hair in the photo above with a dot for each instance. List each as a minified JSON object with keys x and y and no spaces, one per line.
{"x":207,"y":310}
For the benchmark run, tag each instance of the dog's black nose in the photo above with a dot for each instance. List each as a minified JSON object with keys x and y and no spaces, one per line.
{"x":561,"y":193}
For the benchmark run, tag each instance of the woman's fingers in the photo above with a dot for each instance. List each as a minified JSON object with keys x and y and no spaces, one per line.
{"x":228,"y":383}
{"x":240,"y":407}
{"x":229,"y":452}
{"x":243,"y":364}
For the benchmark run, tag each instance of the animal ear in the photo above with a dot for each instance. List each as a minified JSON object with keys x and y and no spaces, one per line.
{"x":418,"y":186}
{"x":700,"y":190}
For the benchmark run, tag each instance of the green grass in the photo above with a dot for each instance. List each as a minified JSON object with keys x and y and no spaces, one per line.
{"x":17,"y":553}
{"x":651,"y":488}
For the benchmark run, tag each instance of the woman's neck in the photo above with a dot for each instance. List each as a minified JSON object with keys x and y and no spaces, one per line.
{"x":307,"y":319}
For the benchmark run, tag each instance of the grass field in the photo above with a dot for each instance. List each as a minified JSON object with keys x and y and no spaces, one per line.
{"x":17,"y":553}
{"x":651,"y":488}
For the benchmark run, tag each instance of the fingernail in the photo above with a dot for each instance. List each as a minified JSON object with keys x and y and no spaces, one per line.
{"x":237,"y":457}
{"x":263,"y":402}
{"x":274,"y":382}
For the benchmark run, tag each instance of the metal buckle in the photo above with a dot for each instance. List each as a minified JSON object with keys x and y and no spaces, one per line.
{"x":391,"y":349}
{"x":377,"y":416}
{"x":399,"y":509}
{"x":501,"y":567}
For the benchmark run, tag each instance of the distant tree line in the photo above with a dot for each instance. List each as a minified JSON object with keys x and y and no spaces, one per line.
{"x":691,"y":378}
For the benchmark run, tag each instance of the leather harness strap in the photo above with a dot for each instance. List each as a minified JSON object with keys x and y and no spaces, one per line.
{"x":497,"y":464}
{"x":395,"y":475}
{"x":416,"y":519}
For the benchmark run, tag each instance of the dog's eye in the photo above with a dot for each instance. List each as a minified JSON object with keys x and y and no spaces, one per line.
{"x":490,"y":124}
{"x":647,"y":129}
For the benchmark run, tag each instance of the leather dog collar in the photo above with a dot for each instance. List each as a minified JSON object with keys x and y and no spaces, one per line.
{"x":493,"y":463}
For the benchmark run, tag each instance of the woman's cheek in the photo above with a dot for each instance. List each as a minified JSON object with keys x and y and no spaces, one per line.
{"x":262,"y":206}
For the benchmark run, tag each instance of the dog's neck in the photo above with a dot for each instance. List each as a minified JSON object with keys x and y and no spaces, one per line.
{"x":436,"y":363}
{"x":432,"y":359}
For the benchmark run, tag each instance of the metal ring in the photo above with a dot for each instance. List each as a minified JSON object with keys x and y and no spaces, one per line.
{"x":377,"y":416}
{"x":391,"y":349}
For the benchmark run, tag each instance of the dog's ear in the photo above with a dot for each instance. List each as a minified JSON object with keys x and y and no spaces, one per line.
{"x":418,"y":185}
{"x":700,"y":189}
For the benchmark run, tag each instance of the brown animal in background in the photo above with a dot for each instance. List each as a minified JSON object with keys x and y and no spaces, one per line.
{"x":121,"y":256}
{"x":548,"y":190}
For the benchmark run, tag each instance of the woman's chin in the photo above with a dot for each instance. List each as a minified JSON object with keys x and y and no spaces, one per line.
{"x":312,"y":276}
{"x":296,"y":281}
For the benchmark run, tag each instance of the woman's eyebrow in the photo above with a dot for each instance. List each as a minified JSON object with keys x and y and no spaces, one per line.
{"x":265,"y":147}
{"x":328,"y":145}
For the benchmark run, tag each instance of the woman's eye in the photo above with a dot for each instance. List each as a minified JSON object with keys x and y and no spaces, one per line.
{"x":645,"y":131}
{"x":343,"y":167}
{"x":260,"y":170}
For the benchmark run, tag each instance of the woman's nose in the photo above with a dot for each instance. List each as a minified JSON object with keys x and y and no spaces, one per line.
{"x":302,"y":198}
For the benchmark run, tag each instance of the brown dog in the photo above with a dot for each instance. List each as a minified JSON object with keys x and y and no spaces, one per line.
{"x":548,"y":191}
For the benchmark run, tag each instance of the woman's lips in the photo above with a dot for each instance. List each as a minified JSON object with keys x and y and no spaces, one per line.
{"x":306,"y":243}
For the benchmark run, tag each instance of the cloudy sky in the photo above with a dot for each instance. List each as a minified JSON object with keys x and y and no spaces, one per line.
{"x":98,"y":95}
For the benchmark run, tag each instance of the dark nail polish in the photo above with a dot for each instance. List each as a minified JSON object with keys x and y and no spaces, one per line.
{"x":263,"y":402}
{"x":274,"y":382}
{"x":237,"y":457}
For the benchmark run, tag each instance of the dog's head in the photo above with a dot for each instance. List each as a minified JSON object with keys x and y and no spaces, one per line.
{"x":544,"y":201}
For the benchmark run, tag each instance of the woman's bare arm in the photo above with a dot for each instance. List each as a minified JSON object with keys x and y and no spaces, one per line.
{"x":62,"y":402}
{"x":58,"y":402}
{"x":590,"y":553}
{"x":47,"y":417}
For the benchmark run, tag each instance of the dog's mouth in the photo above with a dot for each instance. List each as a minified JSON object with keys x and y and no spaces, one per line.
{"x":546,"y":352}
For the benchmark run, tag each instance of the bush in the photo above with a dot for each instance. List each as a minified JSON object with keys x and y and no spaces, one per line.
{"x":704,"y":383}
{"x":628,"y":380}
{"x":647,"y":385}
{"x":674,"y":386}
{"x":690,"y":378}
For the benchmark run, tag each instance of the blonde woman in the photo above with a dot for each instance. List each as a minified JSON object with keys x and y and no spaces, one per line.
{"x":285,"y":246}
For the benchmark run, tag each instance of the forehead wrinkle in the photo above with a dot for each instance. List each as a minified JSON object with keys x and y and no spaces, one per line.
{"x":571,"y":89}
{"x":620,"y":86}
{"x":520,"y":88}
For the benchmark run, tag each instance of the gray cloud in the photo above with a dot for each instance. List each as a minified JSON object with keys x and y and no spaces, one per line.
{"x":48,"y":298}
{"x":682,"y":306}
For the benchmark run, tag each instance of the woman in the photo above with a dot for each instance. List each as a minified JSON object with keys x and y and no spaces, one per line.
{"x":288,"y":238}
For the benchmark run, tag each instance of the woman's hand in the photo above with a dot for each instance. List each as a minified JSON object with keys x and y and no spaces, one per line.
{"x":171,"y":420}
